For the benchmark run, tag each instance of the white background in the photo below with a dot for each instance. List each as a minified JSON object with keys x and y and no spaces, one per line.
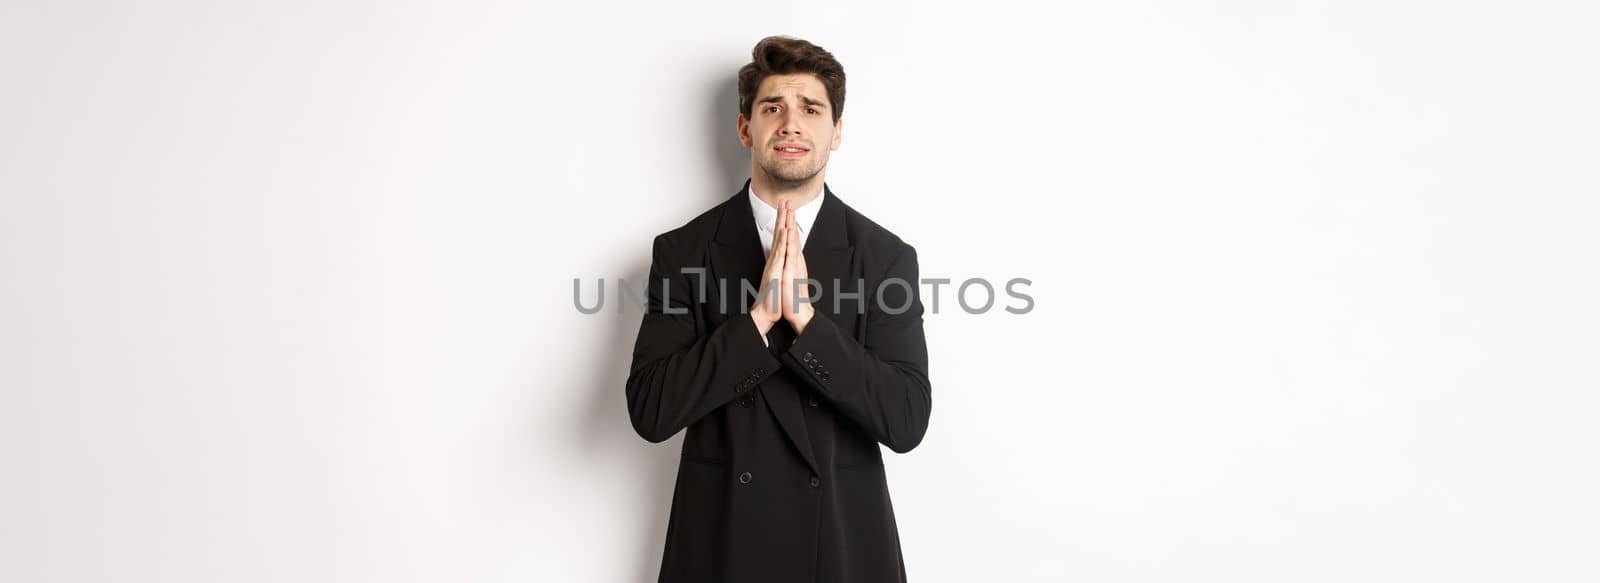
{"x":288,"y":285}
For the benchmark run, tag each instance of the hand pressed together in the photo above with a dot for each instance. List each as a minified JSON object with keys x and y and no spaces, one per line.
{"x":785,"y":271}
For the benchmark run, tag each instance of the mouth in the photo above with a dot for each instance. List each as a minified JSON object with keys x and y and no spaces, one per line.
{"x":791,"y":150}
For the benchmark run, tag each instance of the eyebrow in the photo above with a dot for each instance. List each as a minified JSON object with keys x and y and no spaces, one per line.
{"x":803,"y":99}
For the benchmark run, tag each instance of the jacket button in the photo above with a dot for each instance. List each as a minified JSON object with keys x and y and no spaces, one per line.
{"x":807,"y":357}
{"x":746,"y":402}
{"x":813,"y":401}
{"x":744,"y":478}
{"x":815,"y":482}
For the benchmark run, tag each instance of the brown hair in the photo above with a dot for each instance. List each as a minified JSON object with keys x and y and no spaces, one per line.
{"x":782,"y":55}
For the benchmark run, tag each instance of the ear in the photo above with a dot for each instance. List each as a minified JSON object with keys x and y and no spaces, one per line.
{"x":838,"y":132}
{"x":744,"y":130}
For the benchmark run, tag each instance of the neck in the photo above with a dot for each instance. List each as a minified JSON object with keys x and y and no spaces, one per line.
{"x":773,"y":191}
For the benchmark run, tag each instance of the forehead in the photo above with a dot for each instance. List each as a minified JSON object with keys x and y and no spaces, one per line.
{"x":792,"y":86}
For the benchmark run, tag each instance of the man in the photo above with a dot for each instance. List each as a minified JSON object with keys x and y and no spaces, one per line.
{"x":783,"y":329}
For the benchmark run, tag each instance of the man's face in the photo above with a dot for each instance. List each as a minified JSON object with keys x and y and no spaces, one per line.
{"x":791,"y":128}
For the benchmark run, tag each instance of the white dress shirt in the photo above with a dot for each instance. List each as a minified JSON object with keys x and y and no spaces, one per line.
{"x":767,"y":220}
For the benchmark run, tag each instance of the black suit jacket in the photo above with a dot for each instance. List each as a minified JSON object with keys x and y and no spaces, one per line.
{"x":781,"y":478}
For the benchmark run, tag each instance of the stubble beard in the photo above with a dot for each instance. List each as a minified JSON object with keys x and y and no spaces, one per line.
{"x":787,"y":175}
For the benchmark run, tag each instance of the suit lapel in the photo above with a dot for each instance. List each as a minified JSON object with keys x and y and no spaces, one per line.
{"x":736,"y":256}
{"x":828,"y":254}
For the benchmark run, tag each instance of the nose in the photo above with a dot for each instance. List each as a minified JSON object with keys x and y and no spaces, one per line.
{"x":791,"y":125}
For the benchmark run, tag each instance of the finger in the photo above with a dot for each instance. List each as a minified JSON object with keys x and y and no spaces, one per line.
{"x":799,"y":252}
{"x":775,"y":264}
{"x":771,"y":280}
{"x":793,"y":262}
{"x":783,"y":214}
{"x":773,"y":254}
{"x":788,"y":253}
{"x":774,"y":277}
{"x":777,"y":233}
{"x":773,"y":270}
{"x":792,"y":247}
{"x":788,"y":215}
{"x":777,"y":229}
{"x":781,"y":247}
{"x":775,"y":257}
{"x":773,"y":260}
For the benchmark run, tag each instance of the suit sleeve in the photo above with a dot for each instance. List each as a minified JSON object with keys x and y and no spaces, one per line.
{"x":678,"y":374}
{"x":882,"y":383}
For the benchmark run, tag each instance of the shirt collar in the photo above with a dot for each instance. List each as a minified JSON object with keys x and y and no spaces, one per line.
{"x":766,"y":216}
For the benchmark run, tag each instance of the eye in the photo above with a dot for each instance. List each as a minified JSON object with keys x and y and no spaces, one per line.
{"x":811,"y":110}
{"x":770,"y":108}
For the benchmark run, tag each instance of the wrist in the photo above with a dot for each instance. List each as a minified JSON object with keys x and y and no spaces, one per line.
{"x":762,"y":321}
{"x":800,"y":319}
